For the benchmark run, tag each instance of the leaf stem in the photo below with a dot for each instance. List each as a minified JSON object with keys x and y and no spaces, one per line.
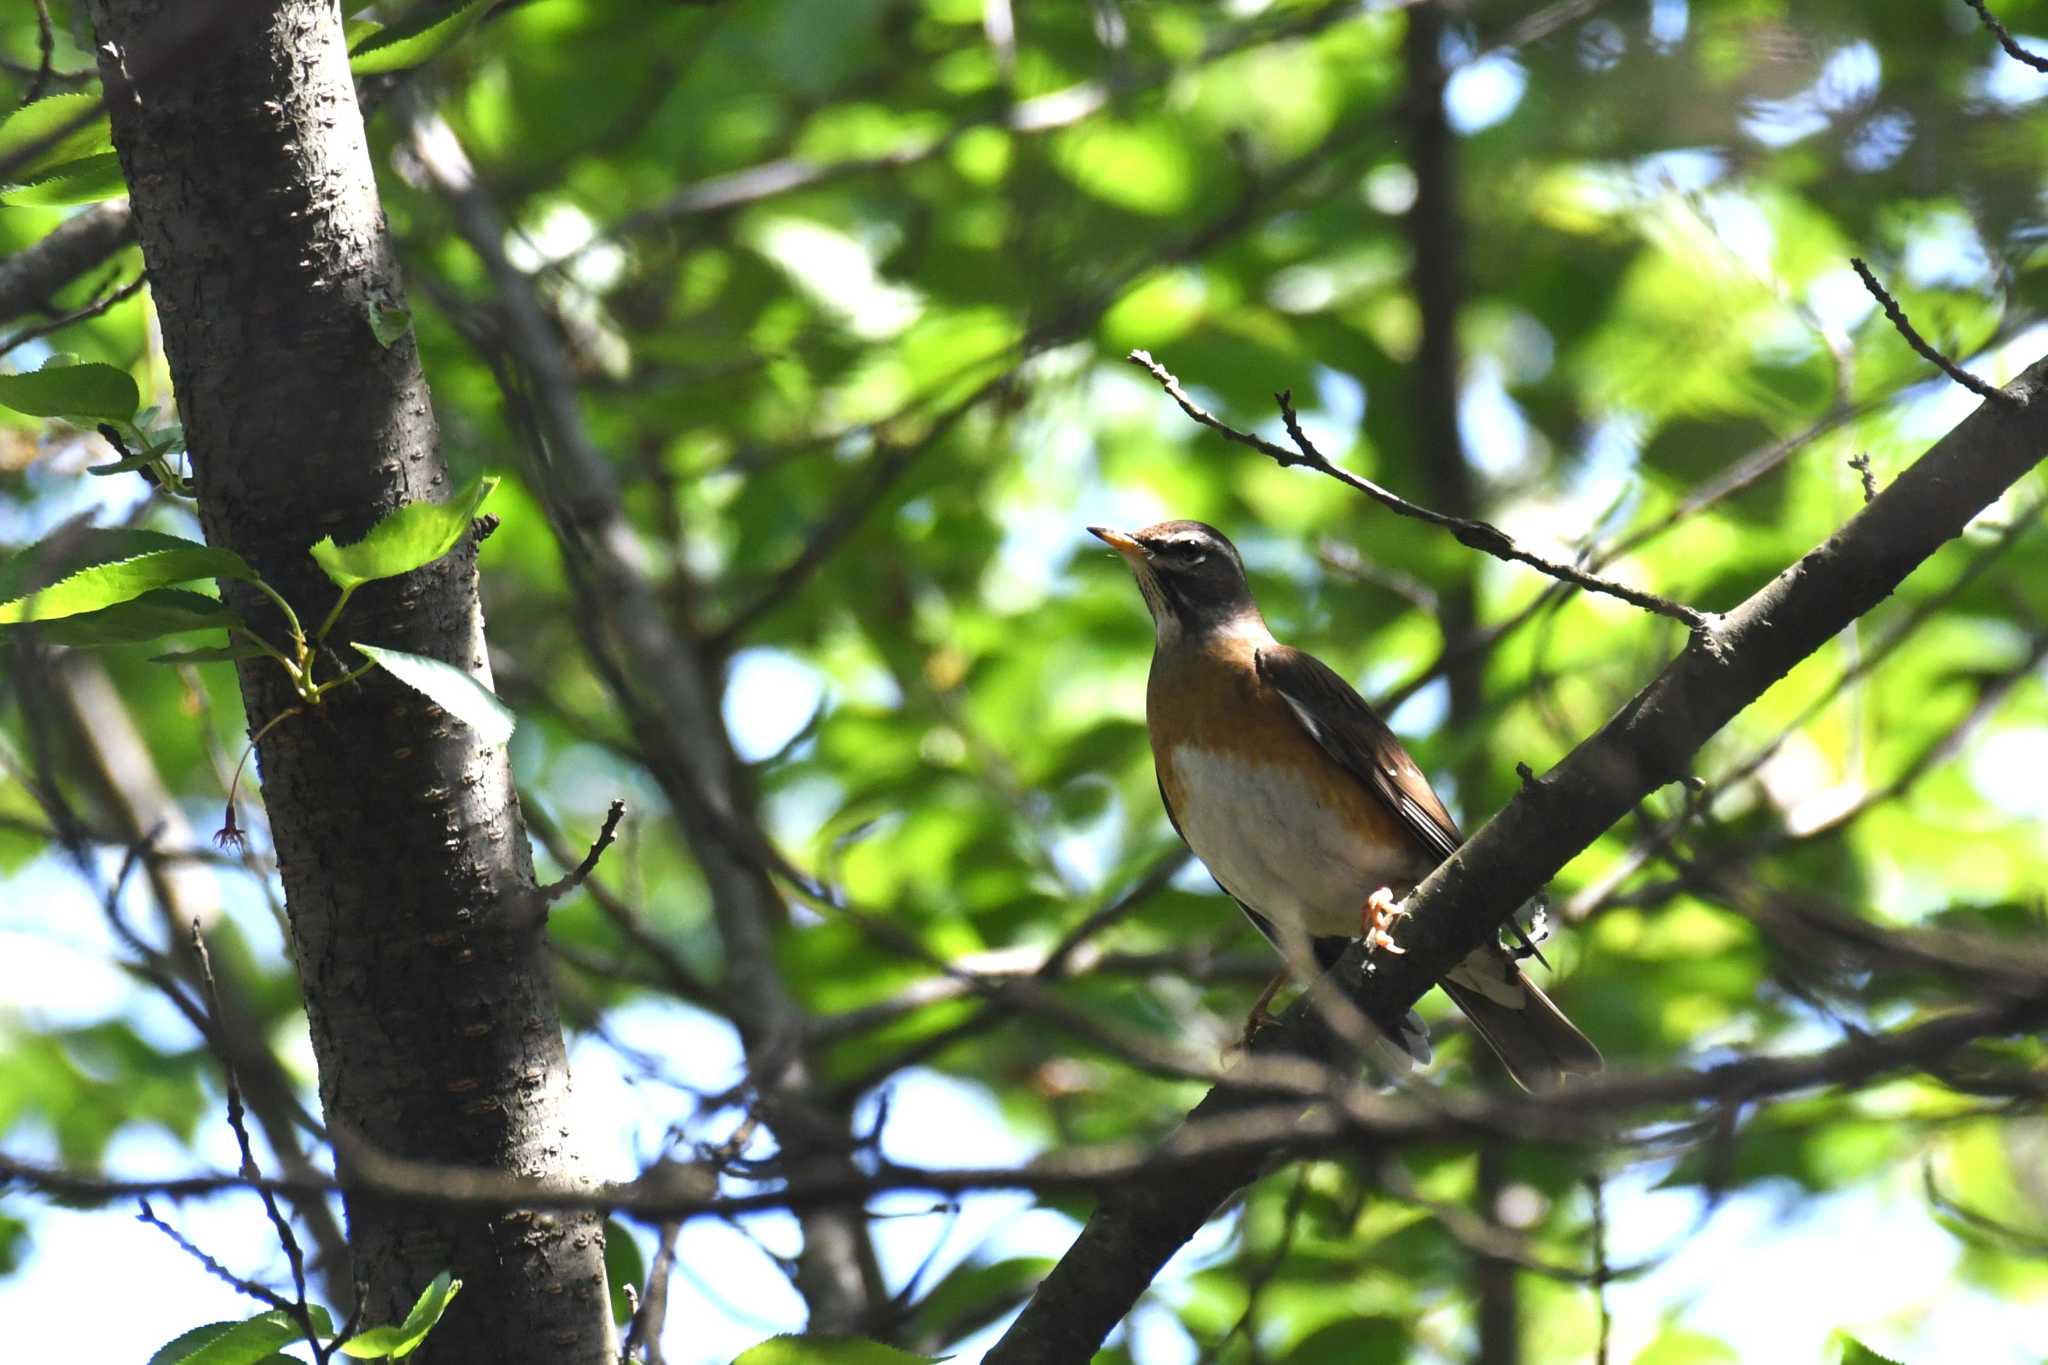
{"x":324,"y":688}
{"x":291,"y":618}
{"x":268,"y":648}
{"x":334,"y":614}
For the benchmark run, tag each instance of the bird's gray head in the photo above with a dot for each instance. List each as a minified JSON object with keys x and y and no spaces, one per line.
{"x":1190,"y":573}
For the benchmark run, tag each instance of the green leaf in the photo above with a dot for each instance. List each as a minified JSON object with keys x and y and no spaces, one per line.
{"x":450,"y":688}
{"x":82,"y":181}
{"x":127,"y":466}
{"x":1678,"y":1346}
{"x":405,"y":539}
{"x":403,"y":1339}
{"x":418,"y":39}
{"x":91,"y":390}
{"x":159,"y":612}
{"x":212,"y":654}
{"x":110,"y":566}
{"x":388,"y":324}
{"x":623,"y":1265}
{"x":793,"y":1350}
{"x":240,"y":1343}
{"x":1854,"y":1352}
{"x":32,"y":123}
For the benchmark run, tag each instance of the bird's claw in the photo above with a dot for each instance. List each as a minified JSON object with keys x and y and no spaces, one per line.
{"x":1378,"y":920}
{"x":1259,"y":1018}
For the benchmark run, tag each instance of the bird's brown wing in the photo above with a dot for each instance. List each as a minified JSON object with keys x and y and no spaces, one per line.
{"x":1352,"y":733}
{"x":1530,"y":1035}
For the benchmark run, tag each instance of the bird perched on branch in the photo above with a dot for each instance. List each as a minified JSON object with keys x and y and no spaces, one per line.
{"x":1298,"y":798}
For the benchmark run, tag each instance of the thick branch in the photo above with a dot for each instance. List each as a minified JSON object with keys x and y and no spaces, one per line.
{"x":668,"y":690}
{"x":30,"y":277}
{"x":1648,"y":744}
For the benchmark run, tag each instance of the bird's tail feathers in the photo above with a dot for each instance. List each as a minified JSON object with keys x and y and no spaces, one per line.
{"x":1512,"y":1016}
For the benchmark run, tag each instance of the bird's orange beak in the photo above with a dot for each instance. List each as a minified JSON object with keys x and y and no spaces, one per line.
{"x":1122,"y":542}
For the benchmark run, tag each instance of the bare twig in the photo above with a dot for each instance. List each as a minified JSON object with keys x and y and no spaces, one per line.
{"x":1597,"y":1189}
{"x":1261,"y":1275}
{"x":90,"y":310}
{"x":2005,"y":38}
{"x":1861,"y":464}
{"x":46,"y":52}
{"x":286,"y":1238}
{"x":577,"y":875}
{"x":1479,"y":535}
{"x":652,"y":1309}
{"x":258,"y":1292}
{"x":1919,"y":343}
{"x":1339,"y":1112}
{"x":1593,"y":897}
{"x":1481,"y":1235}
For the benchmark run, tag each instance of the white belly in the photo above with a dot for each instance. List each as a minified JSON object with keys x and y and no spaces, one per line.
{"x":1296,"y":863}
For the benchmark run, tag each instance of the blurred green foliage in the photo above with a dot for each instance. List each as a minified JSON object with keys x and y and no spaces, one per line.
{"x":864,"y":270}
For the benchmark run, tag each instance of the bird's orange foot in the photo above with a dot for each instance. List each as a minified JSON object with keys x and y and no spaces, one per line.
{"x":1378,"y":920}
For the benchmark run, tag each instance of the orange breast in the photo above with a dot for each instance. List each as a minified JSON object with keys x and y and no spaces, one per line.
{"x":1212,"y":698}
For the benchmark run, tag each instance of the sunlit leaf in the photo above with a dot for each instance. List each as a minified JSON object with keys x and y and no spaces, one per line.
{"x":415,"y":40}
{"x":450,"y":688}
{"x":404,"y":539}
{"x":83,"y":181}
{"x":154,"y":614}
{"x":62,"y":128}
{"x":250,"y":1342}
{"x":109,"y":566}
{"x":402,"y":1340}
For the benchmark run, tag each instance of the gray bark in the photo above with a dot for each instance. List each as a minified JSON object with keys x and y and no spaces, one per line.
{"x":400,"y":843}
{"x":667,"y":685}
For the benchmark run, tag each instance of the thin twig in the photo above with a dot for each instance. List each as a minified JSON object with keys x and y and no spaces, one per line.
{"x":90,"y":310}
{"x":1479,"y":535}
{"x":2005,"y":38}
{"x":554,"y":891}
{"x":215,"y":1268}
{"x":648,"y":1315}
{"x":1861,"y":464}
{"x":1927,"y":351}
{"x":1261,"y":1275}
{"x":286,"y":1238}
{"x":46,"y":49}
{"x":1601,"y":1274}
{"x":1340,"y":1112}
{"x":2005,"y":1236}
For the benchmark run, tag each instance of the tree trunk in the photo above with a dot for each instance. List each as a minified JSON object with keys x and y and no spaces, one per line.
{"x":402,"y":850}
{"x":1436,"y":237}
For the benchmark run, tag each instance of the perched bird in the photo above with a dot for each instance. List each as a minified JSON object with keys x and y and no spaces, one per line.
{"x":1298,"y":798}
